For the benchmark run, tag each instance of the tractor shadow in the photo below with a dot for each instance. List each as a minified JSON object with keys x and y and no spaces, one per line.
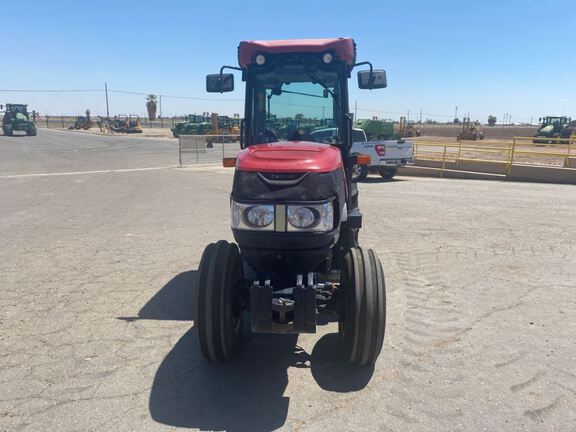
{"x":173,"y":302}
{"x":247,"y":393}
{"x":380,"y":180}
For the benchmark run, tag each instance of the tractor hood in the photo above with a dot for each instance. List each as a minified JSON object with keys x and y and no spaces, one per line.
{"x":290,"y":157}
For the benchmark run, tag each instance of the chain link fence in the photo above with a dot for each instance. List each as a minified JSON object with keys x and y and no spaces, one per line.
{"x":204,"y":149}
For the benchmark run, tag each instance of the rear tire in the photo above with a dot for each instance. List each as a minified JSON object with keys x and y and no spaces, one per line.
{"x":387,"y":173}
{"x":8,"y":131}
{"x":218,"y":305}
{"x":362,"y":318}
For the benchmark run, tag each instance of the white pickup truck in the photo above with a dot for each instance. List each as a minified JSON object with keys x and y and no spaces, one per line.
{"x":386,"y":155}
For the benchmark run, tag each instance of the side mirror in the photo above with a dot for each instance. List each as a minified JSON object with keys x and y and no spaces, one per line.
{"x":216,"y":85}
{"x":374,"y":80}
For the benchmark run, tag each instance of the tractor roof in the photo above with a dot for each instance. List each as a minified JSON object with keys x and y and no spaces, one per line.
{"x":343,"y":48}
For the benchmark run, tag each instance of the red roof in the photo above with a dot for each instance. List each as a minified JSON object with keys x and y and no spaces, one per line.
{"x":289,"y":157}
{"x":344,"y":48}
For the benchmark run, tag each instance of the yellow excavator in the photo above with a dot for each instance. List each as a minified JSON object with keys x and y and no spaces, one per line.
{"x":223,"y":129}
{"x":407,"y":130}
{"x":470,"y":131}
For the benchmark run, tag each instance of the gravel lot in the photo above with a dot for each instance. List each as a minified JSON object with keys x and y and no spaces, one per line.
{"x":96,"y":276}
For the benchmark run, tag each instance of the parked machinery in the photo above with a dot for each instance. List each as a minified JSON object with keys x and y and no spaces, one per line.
{"x":554,"y":127}
{"x":17,"y":118}
{"x":470,"y":130}
{"x":407,"y":129}
{"x":125,"y":124}
{"x":83,"y":122}
{"x":224,"y":129}
{"x":193,"y":124}
{"x":377,"y":129}
{"x":212,"y":124}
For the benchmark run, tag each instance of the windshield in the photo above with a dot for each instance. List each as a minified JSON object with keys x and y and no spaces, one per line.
{"x":555,"y":120}
{"x":290,"y":102}
{"x":18,"y":108}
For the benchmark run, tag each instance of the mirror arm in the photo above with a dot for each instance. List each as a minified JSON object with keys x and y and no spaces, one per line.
{"x":371,"y":69}
{"x":364,"y":63}
{"x":227,"y":67}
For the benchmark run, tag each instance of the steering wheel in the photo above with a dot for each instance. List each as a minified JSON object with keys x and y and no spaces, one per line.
{"x":266,"y":137}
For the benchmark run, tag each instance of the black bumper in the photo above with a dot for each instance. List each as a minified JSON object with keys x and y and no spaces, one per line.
{"x":285,"y":252}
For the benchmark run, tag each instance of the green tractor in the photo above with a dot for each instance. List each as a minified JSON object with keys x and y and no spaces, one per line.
{"x":554,"y":127}
{"x":17,"y":118}
{"x":193,"y":124}
{"x":377,"y":129}
{"x":191,"y":128}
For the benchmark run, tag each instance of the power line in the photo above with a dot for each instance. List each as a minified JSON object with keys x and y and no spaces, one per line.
{"x":51,"y":90}
{"x":128,"y":92}
{"x":117,"y":91}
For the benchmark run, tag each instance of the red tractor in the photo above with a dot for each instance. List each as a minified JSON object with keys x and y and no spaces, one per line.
{"x":294,"y":207}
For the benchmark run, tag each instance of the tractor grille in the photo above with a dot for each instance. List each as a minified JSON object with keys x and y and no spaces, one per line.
{"x":282,"y":178}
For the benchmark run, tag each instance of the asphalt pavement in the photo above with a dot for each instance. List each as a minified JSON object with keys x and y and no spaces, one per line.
{"x":100,"y":242}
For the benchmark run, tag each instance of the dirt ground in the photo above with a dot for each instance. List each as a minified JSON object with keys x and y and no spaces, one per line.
{"x":495,"y":150}
{"x":494,"y":132}
{"x":146,"y":132}
{"x":101,"y":239}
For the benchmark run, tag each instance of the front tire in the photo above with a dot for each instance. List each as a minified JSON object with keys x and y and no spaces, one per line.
{"x":362,"y":318}
{"x":359,"y":172}
{"x":8,"y":131}
{"x":218,"y":305}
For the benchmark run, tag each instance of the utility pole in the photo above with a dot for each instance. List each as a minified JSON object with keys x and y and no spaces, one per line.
{"x":420,"y":115}
{"x":455,"y":113}
{"x":408,"y":118}
{"x":107,"y":108}
{"x":160,"y":106}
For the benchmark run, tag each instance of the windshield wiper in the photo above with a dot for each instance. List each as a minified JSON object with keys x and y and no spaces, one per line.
{"x":303,"y":94}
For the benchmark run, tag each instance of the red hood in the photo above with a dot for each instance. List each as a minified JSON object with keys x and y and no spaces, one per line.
{"x":289,"y":156}
{"x":344,"y":48}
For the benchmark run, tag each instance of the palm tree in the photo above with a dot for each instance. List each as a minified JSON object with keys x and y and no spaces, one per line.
{"x":151,"y":103}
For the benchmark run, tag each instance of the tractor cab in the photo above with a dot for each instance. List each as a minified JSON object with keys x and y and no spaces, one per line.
{"x":294,"y":206}
{"x":555,"y":121}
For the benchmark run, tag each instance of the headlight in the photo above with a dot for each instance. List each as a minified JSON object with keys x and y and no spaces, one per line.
{"x":254,"y":217}
{"x":282,"y":218}
{"x":260,"y":216}
{"x":317,"y":217}
{"x":301,"y":217}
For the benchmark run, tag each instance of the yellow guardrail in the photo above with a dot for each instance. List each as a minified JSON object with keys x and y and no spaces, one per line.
{"x":506,"y":151}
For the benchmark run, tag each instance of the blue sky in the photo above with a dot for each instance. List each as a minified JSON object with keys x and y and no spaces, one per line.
{"x":485,"y":57}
